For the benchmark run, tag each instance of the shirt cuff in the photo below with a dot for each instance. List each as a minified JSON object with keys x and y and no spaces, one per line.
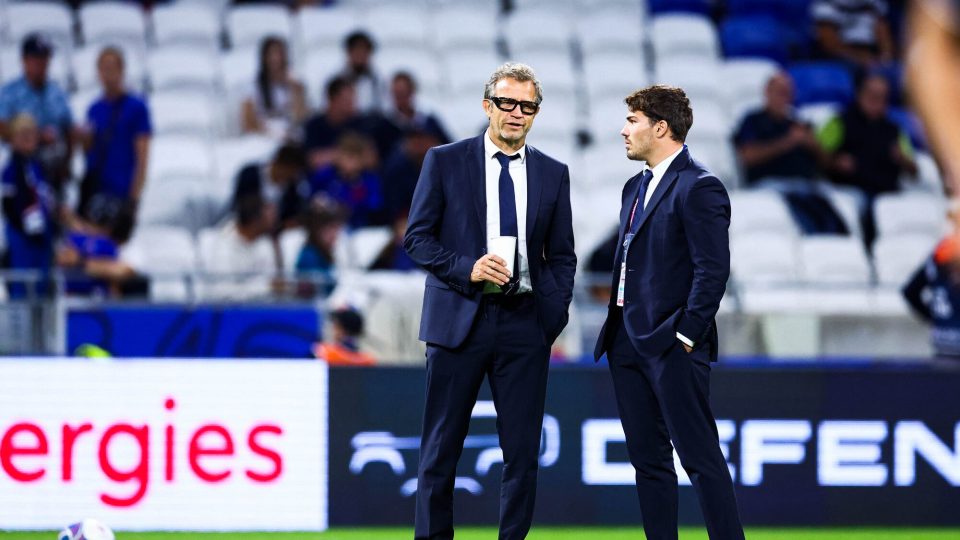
{"x":685,"y":340}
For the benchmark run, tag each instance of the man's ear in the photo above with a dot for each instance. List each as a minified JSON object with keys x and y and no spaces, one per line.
{"x":486,"y":107}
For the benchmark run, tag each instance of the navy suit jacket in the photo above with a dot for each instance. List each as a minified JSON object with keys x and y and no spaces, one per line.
{"x":446,"y":234}
{"x":677,"y":264}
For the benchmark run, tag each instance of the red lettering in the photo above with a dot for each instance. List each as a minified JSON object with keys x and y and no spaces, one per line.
{"x":168,"y":443}
{"x":197,"y":451}
{"x":140,"y":473}
{"x":272,"y":455}
{"x":70,"y":436}
{"x":9,"y":449}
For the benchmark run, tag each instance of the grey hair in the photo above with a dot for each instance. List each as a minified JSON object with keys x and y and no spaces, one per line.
{"x":516,"y":71}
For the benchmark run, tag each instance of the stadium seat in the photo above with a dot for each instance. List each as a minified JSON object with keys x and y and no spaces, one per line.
{"x":556,"y":118}
{"x":538,"y":29}
{"x":699,"y":77}
{"x":168,"y":255}
{"x":326,"y":26}
{"x":398,"y":26}
{"x":463,"y":114}
{"x":684,"y":35}
{"x":113,"y":22}
{"x":703,"y":7}
{"x":85,"y":74}
{"x":818,"y":82}
{"x":179,"y":156}
{"x":175,"y":112}
{"x":928,"y":175}
{"x":753,"y":36}
{"x":711,"y":120}
{"x":186,"y":23}
{"x":248,"y":24}
{"x":760,"y":211}
{"x":422,"y":63}
{"x":611,"y":30}
{"x":838,"y":260}
{"x":230,"y":156}
{"x":608,"y":166}
{"x":458,"y":28}
{"x":291,"y":242}
{"x":764,"y":258}
{"x":898,"y":213}
{"x":365,"y":244}
{"x":717,"y":154}
{"x":613,"y":75}
{"x":896,"y":257}
{"x":318,"y":67}
{"x":607,"y":118}
{"x":744,"y":82}
{"x":182,"y":67}
{"x":173,"y":201}
{"x":555,"y":71}
{"x":468,"y":71}
{"x":218,"y":282}
{"x":54,"y":19}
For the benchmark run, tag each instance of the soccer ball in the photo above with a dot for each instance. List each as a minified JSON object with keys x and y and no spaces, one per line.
{"x":88,"y":529}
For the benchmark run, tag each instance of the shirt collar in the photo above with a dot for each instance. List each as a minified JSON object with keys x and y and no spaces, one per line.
{"x":490,"y":149}
{"x":662,"y":167}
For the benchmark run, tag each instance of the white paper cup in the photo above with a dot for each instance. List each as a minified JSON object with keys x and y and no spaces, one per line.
{"x":504,"y":247}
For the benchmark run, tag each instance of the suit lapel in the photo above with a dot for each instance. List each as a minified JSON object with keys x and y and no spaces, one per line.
{"x":626,"y":206}
{"x":476,"y":169}
{"x":534,"y":188}
{"x":669,"y":177}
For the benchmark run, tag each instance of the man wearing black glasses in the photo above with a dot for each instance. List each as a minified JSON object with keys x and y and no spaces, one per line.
{"x":491,"y":224}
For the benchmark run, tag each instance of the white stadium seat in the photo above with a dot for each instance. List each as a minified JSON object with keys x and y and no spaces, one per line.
{"x":422,"y":63}
{"x":324,"y":26}
{"x":611,"y":30}
{"x":168,"y":254}
{"x":764,"y":258}
{"x":182,"y":67}
{"x":760,"y":211}
{"x":233,"y":154}
{"x":363,"y":245}
{"x":53,"y":19}
{"x":717,"y":155}
{"x":113,"y":22}
{"x":744,"y":81}
{"x":700,"y":77}
{"x":834,"y":260}
{"x":711,"y":120}
{"x":613,"y":76}
{"x":180,"y":156}
{"x":173,"y":201}
{"x":247,"y":25}
{"x":538,"y":29}
{"x":183,"y":112}
{"x":686,"y":35}
{"x":898,"y":213}
{"x":468,"y":71}
{"x":459,"y":27}
{"x":897,"y":257}
{"x":553,"y":68}
{"x":398,"y":26}
{"x":182,"y":22}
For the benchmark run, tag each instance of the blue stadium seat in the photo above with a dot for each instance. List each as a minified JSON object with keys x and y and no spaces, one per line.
{"x":753,"y":35}
{"x":910,"y":124}
{"x":704,"y":7}
{"x":819,"y":82}
{"x":785,"y":10}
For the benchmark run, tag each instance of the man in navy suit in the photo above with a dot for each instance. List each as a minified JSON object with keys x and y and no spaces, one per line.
{"x":660,"y":336}
{"x":481,"y":318}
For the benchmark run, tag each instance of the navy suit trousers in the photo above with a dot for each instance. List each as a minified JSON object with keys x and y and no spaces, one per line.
{"x":662,"y":399}
{"x":506,"y":346}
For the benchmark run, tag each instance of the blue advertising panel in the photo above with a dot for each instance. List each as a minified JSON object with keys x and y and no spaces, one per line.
{"x":808,"y":446}
{"x":196,"y":331}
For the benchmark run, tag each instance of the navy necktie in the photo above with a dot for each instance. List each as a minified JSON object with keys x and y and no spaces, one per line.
{"x":508,"y":215}
{"x":641,"y":196}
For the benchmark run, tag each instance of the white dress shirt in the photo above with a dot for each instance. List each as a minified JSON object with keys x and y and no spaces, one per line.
{"x":658,"y":172}
{"x":518,"y":172}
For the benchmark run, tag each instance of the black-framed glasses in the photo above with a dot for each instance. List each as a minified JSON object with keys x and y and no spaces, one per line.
{"x":509,"y":104}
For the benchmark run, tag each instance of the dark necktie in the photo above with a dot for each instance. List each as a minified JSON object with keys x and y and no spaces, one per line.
{"x":508,"y":215}
{"x":638,"y":204}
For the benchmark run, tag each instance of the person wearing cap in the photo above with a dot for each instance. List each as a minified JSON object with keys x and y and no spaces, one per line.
{"x":28,"y":207}
{"x":46,"y":102}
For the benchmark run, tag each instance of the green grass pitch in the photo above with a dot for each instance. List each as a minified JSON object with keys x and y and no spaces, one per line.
{"x":538,"y":533}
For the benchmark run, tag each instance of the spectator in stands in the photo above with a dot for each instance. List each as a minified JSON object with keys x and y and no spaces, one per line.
{"x":46,"y":102}
{"x":360,"y":72}
{"x":402,"y":168}
{"x":351,"y":183}
{"x":90,"y":256}
{"x":866,"y":150}
{"x":781,"y":153}
{"x":854,"y":31}
{"x":277,"y":101}
{"x":346,"y":328}
{"x":244,"y":256}
{"x":281,"y":183}
{"x":323,"y":223}
{"x":29,"y":208}
{"x":323,"y":130}
{"x":405,"y":114}
{"x":393,"y":256}
{"x":934,"y":291}
{"x":116,"y":138}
